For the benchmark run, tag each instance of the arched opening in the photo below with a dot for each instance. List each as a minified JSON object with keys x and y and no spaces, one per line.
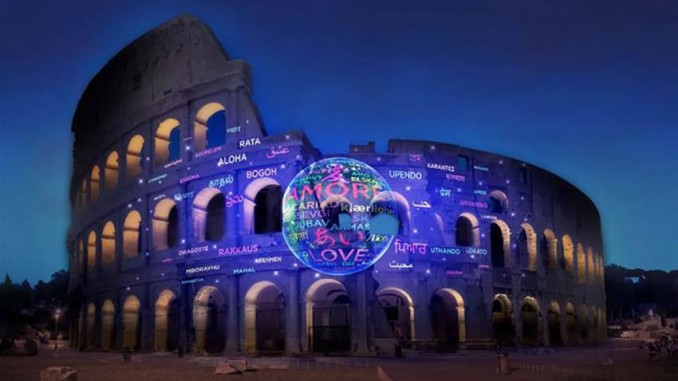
{"x":166,"y":322}
{"x":549,"y":250}
{"x":467,"y":232}
{"x":527,"y":248}
{"x":498,"y":202}
{"x":259,"y":199}
{"x":209,"y":215}
{"x":264,"y":318}
{"x":89,"y":329}
{"x":131,"y":330}
{"x":570,"y":324}
{"x":167,"y":141}
{"x":209,"y":319}
{"x":135,"y":153}
{"x":502,"y":320}
{"x":107,"y":325}
{"x":591,"y":271}
{"x":448,"y":319}
{"x":583,"y":324}
{"x":581,"y":264}
{"x":91,"y":254}
{"x":94,"y":182}
{"x":131,"y":234}
{"x":399,"y":309}
{"x":568,"y":255}
{"x":165,"y":225}
{"x":499,"y":244}
{"x":555,"y":338}
{"x":209,"y":127}
{"x":108,"y":245}
{"x":328,"y":317}
{"x":111,"y":171}
{"x":385,"y":201}
{"x":268,"y":210}
{"x":529,"y":316}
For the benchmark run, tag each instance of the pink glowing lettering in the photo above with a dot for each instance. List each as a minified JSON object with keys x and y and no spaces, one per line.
{"x":336,"y":174}
{"x":277,"y":152}
{"x":350,"y":256}
{"x":460,"y":178}
{"x":336,"y":189}
{"x":474,"y":204}
{"x":207,"y":152}
{"x":188,"y":178}
{"x":410,"y":247}
{"x":321,"y":237}
{"x":232,"y":200}
{"x":236,"y":250}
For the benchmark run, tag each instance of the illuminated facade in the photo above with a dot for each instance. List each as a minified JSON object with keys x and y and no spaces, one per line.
{"x":175,"y":237}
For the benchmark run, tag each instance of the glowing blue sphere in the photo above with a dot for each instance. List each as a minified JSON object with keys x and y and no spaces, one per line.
{"x":339,"y":216}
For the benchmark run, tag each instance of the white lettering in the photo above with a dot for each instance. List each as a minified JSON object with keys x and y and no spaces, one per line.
{"x":249,"y":142}
{"x":232,"y":159}
{"x":264,"y":172}
{"x":408,"y":175}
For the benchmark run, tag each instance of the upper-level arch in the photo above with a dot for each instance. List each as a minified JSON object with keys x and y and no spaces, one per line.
{"x":134,"y":157}
{"x":209,"y":126}
{"x":167,"y":141}
{"x":467,"y":231}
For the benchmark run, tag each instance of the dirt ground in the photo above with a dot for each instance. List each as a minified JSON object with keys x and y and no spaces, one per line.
{"x":110,"y":367}
{"x":578,"y":363}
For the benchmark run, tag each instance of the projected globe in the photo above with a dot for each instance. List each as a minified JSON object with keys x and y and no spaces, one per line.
{"x":339,"y":216}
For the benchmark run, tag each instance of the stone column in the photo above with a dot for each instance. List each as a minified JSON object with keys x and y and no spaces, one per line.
{"x":184,"y":310}
{"x":360,"y":325}
{"x":544,"y":315}
{"x":97,"y":324}
{"x":232,"y":331}
{"x":146,"y":320}
{"x":292,"y":319}
{"x":118,"y":341}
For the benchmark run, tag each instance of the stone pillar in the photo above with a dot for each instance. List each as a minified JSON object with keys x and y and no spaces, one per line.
{"x":360,"y":325}
{"x":292,"y":320}
{"x":97,"y":324}
{"x":232,"y":331}
{"x":118,"y":340}
{"x":147,"y":322}
{"x":184,"y":317}
{"x":82,"y":326}
{"x":422,"y":312}
{"x":516,"y":301}
{"x":119,"y":222}
{"x":544,"y":316}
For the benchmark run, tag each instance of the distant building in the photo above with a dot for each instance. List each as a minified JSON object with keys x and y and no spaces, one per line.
{"x":175,"y":235}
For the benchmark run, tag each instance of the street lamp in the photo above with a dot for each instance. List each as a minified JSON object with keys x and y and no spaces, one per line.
{"x":56,"y":320}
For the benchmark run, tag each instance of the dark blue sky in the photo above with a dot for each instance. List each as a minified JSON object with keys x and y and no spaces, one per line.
{"x":586,"y":89}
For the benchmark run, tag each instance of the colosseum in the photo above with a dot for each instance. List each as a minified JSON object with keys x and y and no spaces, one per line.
{"x":175,"y":241}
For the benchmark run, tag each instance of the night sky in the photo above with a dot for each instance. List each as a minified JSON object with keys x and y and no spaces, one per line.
{"x":585,"y":89}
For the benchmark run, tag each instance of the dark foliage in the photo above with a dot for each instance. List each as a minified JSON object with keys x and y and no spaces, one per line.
{"x":629,"y":289}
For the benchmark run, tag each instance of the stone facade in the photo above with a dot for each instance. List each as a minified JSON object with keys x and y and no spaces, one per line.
{"x":175,"y":239}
